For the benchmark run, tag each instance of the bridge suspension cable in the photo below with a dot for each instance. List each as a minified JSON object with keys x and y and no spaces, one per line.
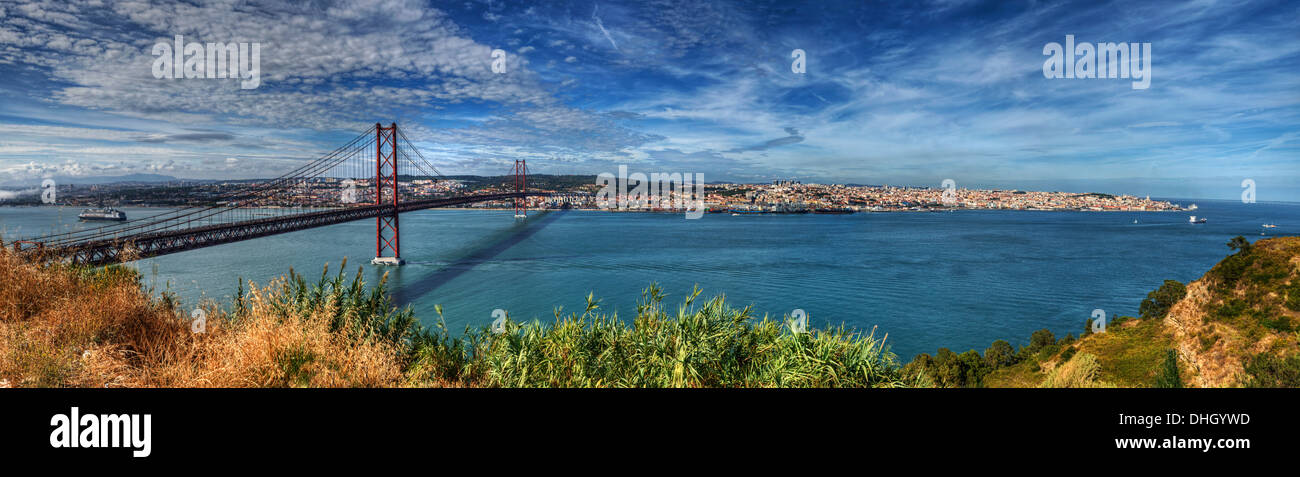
{"x":238,"y":196}
{"x":376,"y":159}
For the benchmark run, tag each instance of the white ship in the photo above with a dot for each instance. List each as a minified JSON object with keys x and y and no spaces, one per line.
{"x":102,"y":213}
{"x":1194,"y":220}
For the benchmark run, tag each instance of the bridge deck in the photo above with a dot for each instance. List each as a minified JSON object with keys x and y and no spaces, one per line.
{"x":153,"y":244}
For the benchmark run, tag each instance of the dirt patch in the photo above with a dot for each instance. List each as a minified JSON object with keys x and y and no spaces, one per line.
{"x":1207,"y":367}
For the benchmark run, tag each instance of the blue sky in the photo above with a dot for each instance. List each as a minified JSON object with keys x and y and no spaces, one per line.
{"x":907,"y":93}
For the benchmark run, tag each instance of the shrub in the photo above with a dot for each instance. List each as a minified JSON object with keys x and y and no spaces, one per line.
{"x":1158,"y":302}
{"x":1169,"y":376}
{"x":1281,"y":323}
{"x":1067,"y":340}
{"x":1000,"y":354}
{"x":1037,"y":341}
{"x":1067,"y":354}
{"x":1041,"y":338}
{"x":1230,"y":270}
{"x":951,"y":370}
{"x":1230,"y":309}
{"x":975,"y":368}
{"x":1293,"y":295}
{"x":1045,"y":353}
{"x":1265,"y":370}
{"x":1208,"y":340}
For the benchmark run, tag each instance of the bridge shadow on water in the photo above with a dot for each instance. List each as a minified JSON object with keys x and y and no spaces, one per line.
{"x":410,"y":292}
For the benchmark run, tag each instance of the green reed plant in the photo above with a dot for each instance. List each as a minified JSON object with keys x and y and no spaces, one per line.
{"x":708,"y":344}
{"x":698,"y":343}
{"x":355,"y":311}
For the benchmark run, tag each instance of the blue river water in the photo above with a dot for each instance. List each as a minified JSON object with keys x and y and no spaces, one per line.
{"x":948,"y":279}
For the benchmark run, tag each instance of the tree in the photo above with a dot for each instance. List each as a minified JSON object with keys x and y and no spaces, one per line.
{"x":1157,"y":303}
{"x":921,"y":365}
{"x":1231,"y":269}
{"x":973,"y":368}
{"x":1169,"y":377}
{"x":1041,"y":338}
{"x":1239,"y":244}
{"x":1000,"y":354}
{"x":947,"y":370}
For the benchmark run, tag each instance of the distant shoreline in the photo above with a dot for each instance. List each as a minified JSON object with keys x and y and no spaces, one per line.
{"x":587,"y":209}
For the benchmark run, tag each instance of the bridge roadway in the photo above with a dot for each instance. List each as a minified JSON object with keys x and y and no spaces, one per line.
{"x":153,"y":244}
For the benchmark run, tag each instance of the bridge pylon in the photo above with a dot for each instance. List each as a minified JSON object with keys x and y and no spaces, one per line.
{"x":521,"y":185}
{"x":386,"y":226}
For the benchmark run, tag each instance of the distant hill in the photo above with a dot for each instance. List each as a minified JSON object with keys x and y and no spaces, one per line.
{"x":85,"y":180}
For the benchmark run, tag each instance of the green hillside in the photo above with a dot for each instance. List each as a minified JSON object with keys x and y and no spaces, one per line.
{"x":1235,"y":326}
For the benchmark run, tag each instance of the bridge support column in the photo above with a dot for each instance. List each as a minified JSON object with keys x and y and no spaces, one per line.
{"x":386,"y":226}
{"x":521,"y":180}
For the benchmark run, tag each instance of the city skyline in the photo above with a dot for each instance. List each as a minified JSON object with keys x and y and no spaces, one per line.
{"x":889,"y":94}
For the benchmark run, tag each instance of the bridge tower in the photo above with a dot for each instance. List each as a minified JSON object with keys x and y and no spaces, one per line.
{"x":386,"y":226}
{"x":521,"y":179}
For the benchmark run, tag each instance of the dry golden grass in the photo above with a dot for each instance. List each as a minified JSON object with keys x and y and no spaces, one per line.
{"x":66,"y":327}
{"x":1081,"y":371}
{"x":62,"y":326}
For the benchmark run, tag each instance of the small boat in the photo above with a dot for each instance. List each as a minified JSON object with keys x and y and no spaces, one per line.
{"x":1194,"y":220}
{"x":1192,"y":207}
{"x":102,"y":213}
{"x":1270,"y":226}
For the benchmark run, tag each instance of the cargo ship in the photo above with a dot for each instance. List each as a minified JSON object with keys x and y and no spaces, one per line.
{"x":842,"y":210}
{"x":773,"y":210}
{"x":102,"y":213}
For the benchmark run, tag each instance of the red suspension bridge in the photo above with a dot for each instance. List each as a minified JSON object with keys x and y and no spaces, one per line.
{"x":243,"y":214}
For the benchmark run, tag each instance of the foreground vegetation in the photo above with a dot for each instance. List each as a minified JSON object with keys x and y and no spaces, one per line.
{"x":67,"y":326}
{"x":62,"y":326}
